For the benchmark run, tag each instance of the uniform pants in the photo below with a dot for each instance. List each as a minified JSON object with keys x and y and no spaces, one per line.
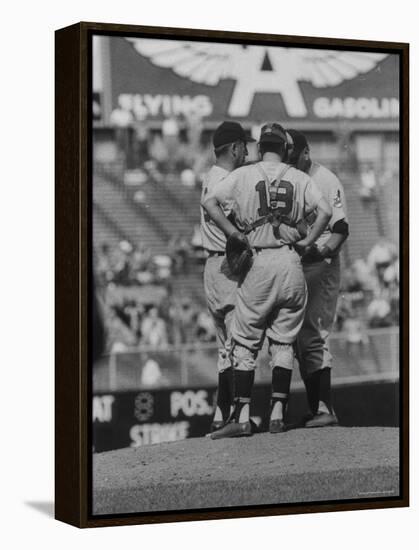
{"x":270,"y":302}
{"x":323,"y":282}
{"x":220,"y":291}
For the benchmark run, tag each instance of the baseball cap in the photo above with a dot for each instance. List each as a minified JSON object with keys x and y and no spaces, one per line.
{"x":272,"y":132}
{"x":229,"y":132}
{"x":299,"y":141}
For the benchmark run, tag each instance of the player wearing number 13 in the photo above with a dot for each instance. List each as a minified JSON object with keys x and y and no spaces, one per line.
{"x":269,"y":200}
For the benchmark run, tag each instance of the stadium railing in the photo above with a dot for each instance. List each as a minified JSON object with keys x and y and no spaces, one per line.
{"x":374,"y":359}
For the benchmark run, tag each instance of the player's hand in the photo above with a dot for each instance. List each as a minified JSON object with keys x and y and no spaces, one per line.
{"x":302,"y":247}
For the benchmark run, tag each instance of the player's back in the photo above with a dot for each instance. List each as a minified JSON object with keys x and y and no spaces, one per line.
{"x":272,"y":188}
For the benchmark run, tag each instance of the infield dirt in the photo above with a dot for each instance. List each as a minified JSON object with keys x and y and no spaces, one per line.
{"x":306,"y":465}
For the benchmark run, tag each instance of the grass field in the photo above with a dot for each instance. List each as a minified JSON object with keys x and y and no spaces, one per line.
{"x":297,"y":466}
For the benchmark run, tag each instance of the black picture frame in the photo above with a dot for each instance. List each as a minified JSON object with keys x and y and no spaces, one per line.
{"x":73,"y":298}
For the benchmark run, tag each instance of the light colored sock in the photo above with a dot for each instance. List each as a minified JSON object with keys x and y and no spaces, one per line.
{"x":277,"y":413}
{"x":323,"y":408}
{"x":244,"y":413}
{"x":218,"y":417}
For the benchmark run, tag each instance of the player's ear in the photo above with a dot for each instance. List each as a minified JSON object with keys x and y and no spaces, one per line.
{"x":235,"y":149}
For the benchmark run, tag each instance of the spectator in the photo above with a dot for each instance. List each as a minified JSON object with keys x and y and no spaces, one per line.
{"x":141,"y":141}
{"x":122,"y":268}
{"x":120,"y":336}
{"x":379,"y":313}
{"x":104,"y":270}
{"x":354,"y":330}
{"x":121,"y":120}
{"x":151,"y":374}
{"x":367,"y":191}
{"x":153,"y":330}
{"x":183,"y":316}
{"x":179,"y":250}
{"x":381,"y":256}
{"x":187,"y":177}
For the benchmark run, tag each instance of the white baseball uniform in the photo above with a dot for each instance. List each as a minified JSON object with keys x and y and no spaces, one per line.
{"x":323,"y":282}
{"x":271,"y":299}
{"x":220,"y":286}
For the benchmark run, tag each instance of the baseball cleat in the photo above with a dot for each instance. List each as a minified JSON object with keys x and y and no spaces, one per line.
{"x":217,"y":425}
{"x":256,"y":425}
{"x":233,"y":429}
{"x":277,"y":426}
{"x":321,"y":420}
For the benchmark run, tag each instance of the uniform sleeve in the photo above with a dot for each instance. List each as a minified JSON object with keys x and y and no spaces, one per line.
{"x":336,"y":199}
{"x":312,"y":196}
{"x":224,"y":190}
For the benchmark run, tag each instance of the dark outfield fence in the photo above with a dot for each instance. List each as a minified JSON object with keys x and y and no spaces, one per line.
{"x":132,"y":419}
{"x":127,"y":412}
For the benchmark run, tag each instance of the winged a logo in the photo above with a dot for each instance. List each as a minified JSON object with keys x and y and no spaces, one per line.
{"x":257,"y":68}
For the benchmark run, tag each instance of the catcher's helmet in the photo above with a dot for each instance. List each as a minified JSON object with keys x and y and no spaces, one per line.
{"x":272,"y":132}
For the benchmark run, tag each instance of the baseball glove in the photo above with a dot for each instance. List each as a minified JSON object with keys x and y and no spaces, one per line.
{"x":313,"y":255}
{"x":239,"y":254}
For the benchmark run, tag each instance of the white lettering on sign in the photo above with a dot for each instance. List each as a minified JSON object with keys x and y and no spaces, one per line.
{"x":102,"y":408}
{"x":147,"y":105}
{"x":147,"y":434}
{"x":258,"y":69}
{"x":350,"y":107}
{"x":190,"y":403}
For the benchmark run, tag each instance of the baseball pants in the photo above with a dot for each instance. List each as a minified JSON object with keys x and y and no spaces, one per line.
{"x":323,"y":282}
{"x":220,"y":291}
{"x":269,"y":302}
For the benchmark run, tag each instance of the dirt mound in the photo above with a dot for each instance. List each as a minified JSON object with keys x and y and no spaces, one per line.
{"x":297,"y":466}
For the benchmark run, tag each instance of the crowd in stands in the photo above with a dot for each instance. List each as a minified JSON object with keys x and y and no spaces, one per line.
{"x":133,"y":319}
{"x":370,"y":293}
{"x":369,"y":297}
{"x":370,"y":286}
{"x":181,"y":148}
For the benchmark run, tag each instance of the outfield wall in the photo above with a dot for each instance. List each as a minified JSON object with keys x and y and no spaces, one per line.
{"x":133,"y":419}
{"x":180,"y":404}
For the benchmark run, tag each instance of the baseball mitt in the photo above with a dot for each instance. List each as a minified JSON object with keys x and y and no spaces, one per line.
{"x":239,"y":254}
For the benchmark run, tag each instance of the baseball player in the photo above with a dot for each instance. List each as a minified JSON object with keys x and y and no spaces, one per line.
{"x":269,"y":199}
{"x":322,"y":272}
{"x":220,"y":285}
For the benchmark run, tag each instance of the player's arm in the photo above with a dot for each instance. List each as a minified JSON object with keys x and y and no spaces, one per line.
{"x":222,"y":192}
{"x":216,"y":213}
{"x":340,"y":232}
{"x":339,"y":228}
{"x":315,"y":201}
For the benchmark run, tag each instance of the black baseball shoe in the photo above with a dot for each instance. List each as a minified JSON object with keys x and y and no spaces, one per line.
{"x":277,"y":426}
{"x":233,"y":429}
{"x":321,"y":420}
{"x":216,"y":425}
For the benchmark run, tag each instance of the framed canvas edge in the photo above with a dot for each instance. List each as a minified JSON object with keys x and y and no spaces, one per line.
{"x":73,"y":280}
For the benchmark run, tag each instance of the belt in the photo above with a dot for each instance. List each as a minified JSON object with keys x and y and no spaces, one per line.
{"x":259,"y":249}
{"x":310,"y":260}
{"x":216,"y":252}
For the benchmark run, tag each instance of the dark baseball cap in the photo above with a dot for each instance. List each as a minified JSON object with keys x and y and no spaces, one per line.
{"x":229,"y":132}
{"x":299,"y":141}
{"x":272,"y":132}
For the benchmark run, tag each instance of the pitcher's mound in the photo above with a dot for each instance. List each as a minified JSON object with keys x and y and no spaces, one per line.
{"x":306,"y":465}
